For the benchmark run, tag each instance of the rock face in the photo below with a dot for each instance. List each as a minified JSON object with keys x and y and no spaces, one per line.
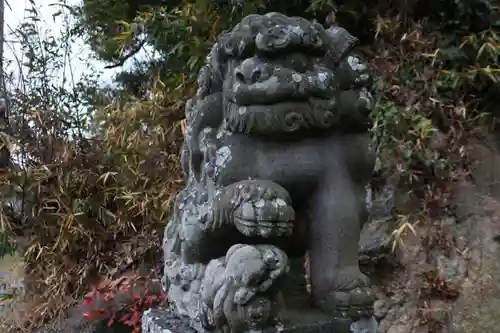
{"x":453,"y":286}
{"x":477,"y":206}
{"x":376,"y":236}
{"x":276,"y":160}
{"x":477,"y":307}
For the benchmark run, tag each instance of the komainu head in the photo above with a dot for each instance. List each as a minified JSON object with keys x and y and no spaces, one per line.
{"x":278,"y":74}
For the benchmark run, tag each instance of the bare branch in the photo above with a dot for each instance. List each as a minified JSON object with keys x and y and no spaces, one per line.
{"x":128,"y":56}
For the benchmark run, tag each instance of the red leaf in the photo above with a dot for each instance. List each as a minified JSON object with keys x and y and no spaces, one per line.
{"x":96,"y":294}
{"x":136,"y":316}
{"x":87,"y":300}
{"x":148,"y":302}
{"x":134,"y":319}
{"x":111,"y":321}
{"x":125,"y":317}
{"x":108,"y":297}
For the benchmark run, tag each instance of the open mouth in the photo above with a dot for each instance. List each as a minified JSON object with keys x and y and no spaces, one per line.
{"x":284,"y":87}
{"x":257,"y":318}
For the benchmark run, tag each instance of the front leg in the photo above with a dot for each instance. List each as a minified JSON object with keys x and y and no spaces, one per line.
{"x":337,"y":284}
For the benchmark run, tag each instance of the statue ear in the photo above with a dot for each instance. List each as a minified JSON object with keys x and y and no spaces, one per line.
{"x":341,"y":43}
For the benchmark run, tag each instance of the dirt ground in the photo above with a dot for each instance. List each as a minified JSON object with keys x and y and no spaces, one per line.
{"x":11,"y":276}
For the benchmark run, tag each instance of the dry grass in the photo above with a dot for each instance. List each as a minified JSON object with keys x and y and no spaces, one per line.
{"x":103,"y":207}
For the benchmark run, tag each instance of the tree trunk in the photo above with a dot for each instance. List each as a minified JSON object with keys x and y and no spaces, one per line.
{"x":4,"y":98}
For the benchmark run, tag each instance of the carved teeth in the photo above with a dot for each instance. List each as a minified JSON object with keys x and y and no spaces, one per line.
{"x":265,"y":231}
{"x":263,"y":228}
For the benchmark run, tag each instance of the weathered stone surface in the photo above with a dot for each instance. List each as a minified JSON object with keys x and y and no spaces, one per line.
{"x":165,"y":320}
{"x":381,"y":307}
{"x":376,"y":240}
{"x":477,"y":307}
{"x":276,"y":159}
{"x":465,"y":264}
{"x":376,"y":236}
{"x":305,"y":320}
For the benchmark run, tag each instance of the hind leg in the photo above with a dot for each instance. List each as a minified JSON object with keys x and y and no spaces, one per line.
{"x":336,"y":214}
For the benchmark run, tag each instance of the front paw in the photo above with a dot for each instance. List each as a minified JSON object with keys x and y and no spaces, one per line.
{"x":351,"y":295}
{"x":265,"y":218}
{"x":264,"y":209}
{"x":354,"y":304}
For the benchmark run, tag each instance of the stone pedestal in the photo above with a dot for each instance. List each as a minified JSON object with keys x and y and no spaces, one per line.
{"x":161,"y":320}
{"x":164,"y":320}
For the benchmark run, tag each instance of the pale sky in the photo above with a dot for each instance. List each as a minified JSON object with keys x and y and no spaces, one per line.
{"x":14,"y":16}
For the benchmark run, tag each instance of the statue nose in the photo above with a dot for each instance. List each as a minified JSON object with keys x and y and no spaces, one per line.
{"x":251,"y":71}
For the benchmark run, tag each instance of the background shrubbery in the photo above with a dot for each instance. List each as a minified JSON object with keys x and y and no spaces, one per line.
{"x":94,"y":169}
